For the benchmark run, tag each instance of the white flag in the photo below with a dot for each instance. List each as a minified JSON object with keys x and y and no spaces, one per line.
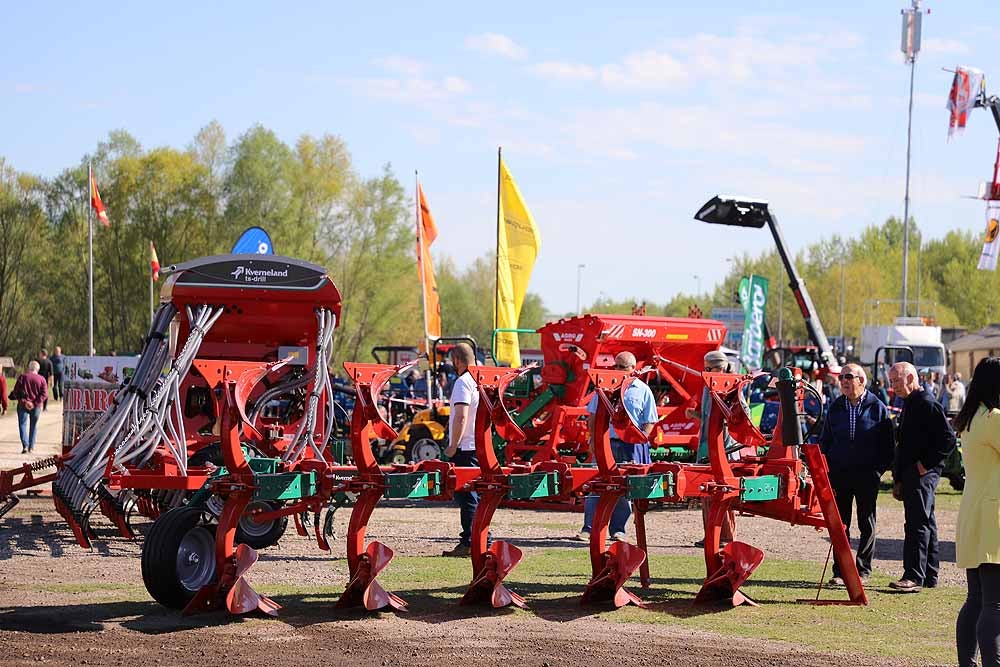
{"x":991,"y":244}
{"x":965,"y":89}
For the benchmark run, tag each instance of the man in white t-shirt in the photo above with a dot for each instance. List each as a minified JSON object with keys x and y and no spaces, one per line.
{"x":462,"y":438}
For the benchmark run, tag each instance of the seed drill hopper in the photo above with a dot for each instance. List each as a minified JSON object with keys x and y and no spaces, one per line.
{"x":218,"y":317}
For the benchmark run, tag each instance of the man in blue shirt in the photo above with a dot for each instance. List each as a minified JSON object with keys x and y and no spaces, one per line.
{"x":857,"y":440}
{"x":641,"y":407}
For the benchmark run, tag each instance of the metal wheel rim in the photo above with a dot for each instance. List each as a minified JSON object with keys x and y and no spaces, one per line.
{"x":250,"y":526}
{"x":196,"y":559}
{"x":425,"y":450}
{"x":398,"y":457}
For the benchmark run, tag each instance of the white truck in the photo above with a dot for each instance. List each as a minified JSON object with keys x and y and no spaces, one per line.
{"x":925,"y":341}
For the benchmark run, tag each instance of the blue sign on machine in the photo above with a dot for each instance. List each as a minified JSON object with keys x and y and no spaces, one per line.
{"x":254,"y":241}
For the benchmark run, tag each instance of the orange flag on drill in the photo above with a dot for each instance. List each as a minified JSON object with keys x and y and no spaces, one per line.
{"x":426,"y":233}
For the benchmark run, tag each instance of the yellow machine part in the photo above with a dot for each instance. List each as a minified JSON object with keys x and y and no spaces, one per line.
{"x":425,"y":419}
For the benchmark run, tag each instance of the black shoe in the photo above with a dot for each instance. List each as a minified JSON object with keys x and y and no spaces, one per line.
{"x":931,"y":584}
{"x":24,"y":450}
{"x":460,"y":551}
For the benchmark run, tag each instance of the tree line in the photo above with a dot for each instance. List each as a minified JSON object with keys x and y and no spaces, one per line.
{"x":196,"y":201}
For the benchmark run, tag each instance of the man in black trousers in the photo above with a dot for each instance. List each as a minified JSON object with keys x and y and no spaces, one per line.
{"x":857,"y":441}
{"x":925,"y":440}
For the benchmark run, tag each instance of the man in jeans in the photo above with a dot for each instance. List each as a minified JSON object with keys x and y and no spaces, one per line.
{"x":30,"y":391}
{"x":858,"y":443}
{"x":641,"y":407}
{"x":925,"y":440}
{"x":462,"y":439}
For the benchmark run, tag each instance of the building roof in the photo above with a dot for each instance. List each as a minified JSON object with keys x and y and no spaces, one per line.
{"x":987,"y":338}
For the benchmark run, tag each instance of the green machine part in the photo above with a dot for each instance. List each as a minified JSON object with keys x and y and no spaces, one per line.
{"x":759,"y":489}
{"x":412,"y":484}
{"x":533,"y":485}
{"x":650,"y":487}
{"x":284,"y":485}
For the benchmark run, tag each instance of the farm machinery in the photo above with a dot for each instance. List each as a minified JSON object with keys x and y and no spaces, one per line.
{"x":217,"y":317}
{"x":670,"y":353}
{"x":192,"y":559}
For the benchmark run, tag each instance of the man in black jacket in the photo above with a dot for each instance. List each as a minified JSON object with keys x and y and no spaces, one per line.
{"x":857,"y":442}
{"x":925,"y":440}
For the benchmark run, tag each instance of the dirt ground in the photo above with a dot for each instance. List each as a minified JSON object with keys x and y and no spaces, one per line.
{"x":46,"y":580}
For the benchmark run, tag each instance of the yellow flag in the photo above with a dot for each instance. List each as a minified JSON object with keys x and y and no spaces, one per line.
{"x":517,"y":246}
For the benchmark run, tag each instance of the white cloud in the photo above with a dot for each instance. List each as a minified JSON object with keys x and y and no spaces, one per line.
{"x":645,"y":70}
{"x":454,"y":84}
{"x":553,"y":69}
{"x":404,"y":66}
{"x":417,"y":91}
{"x":938,"y":46}
{"x":496,"y":44}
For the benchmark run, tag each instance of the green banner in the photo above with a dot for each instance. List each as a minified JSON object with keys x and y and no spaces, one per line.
{"x":753,"y":296}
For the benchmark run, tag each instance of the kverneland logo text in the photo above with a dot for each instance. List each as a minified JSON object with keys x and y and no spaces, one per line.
{"x":252,"y":275}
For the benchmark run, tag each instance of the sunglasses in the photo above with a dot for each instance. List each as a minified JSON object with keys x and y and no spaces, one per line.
{"x":849,"y":377}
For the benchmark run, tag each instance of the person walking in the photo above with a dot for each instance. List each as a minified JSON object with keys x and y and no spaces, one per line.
{"x":45,"y":370}
{"x":58,"y":369}
{"x":462,"y":439}
{"x":977,"y":542}
{"x":857,"y":440}
{"x":925,"y":439}
{"x":640,"y":404}
{"x":30,"y":392}
{"x":3,"y":393}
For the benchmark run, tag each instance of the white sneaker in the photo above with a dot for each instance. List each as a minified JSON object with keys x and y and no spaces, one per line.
{"x":583,"y":536}
{"x":618,"y":537}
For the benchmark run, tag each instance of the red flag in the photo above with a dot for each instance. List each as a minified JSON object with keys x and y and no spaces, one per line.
{"x":426,"y":233}
{"x":96,"y":203}
{"x":154,"y":261}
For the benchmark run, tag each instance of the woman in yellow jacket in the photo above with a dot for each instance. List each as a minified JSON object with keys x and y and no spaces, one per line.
{"x":978,"y":541}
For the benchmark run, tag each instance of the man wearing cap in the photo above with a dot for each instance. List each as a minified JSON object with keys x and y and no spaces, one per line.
{"x":641,"y":407}
{"x":857,"y":440}
{"x":925,"y":440}
{"x":715,"y":362}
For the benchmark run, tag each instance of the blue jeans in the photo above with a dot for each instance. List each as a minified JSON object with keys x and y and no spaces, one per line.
{"x":24,"y":417}
{"x":467,"y":501}
{"x":623,"y":453}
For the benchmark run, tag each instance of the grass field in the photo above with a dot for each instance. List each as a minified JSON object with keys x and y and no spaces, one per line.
{"x":893,"y":625}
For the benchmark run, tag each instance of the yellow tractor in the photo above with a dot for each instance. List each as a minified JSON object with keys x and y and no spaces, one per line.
{"x":422,"y":439}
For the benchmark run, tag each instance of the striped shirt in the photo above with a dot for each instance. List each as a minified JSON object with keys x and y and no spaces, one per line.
{"x":853,"y":410}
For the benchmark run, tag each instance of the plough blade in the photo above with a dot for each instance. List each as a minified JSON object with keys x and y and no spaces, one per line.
{"x":620,"y":561}
{"x":499,"y":561}
{"x":238,"y":597}
{"x":362,"y":589}
{"x":739,"y":560}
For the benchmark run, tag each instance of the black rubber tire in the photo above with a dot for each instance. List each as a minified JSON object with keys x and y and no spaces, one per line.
{"x":159,"y":556}
{"x":264,"y":539}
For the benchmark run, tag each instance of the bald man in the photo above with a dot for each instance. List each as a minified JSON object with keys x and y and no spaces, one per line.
{"x":925,"y":439}
{"x":641,"y":407}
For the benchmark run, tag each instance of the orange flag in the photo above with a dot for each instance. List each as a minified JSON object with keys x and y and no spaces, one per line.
{"x":96,"y":203}
{"x":154,"y":261}
{"x":426,"y":233}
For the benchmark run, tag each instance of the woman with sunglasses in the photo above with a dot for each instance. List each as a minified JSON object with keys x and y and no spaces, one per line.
{"x":977,"y":543}
{"x":858,"y":443}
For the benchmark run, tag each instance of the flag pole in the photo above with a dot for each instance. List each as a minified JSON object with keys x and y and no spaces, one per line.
{"x":90,"y":263}
{"x":421,"y":269}
{"x":496,"y":299}
{"x":151,"y":288}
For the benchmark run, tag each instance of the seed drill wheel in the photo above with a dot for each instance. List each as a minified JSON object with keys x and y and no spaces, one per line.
{"x":248,"y":531}
{"x":260,"y":535}
{"x":178,"y":557}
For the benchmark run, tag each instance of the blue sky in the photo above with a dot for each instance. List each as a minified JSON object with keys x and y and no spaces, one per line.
{"x":617,"y":123}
